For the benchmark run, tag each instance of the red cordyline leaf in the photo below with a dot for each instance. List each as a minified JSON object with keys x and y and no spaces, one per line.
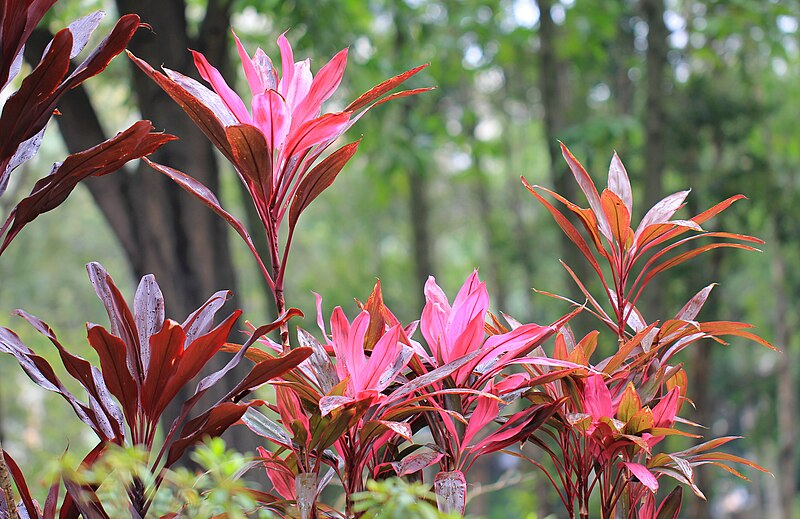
{"x":107,"y":157}
{"x":27,"y":111}
{"x":19,"y":19}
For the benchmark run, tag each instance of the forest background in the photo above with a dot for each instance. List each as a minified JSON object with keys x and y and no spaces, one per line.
{"x":689,"y":93}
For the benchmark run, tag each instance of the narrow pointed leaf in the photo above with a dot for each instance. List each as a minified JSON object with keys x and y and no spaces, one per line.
{"x":381,"y":89}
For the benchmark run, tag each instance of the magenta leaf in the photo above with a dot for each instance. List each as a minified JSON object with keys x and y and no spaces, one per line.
{"x":643,"y":475}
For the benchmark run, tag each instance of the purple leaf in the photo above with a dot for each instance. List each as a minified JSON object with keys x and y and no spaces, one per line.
{"x":148,"y":313}
{"x":82,"y":30}
{"x":201,"y":320}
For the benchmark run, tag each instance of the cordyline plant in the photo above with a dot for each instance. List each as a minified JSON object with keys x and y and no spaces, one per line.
{"x":602,"y":440}
{"x":358,"y":402}
{"x":276,"y":145}
{"x":341,"y":398}
{"x":24,"y":118}
{"x":145,"y":360}
{"x":469,"y":400}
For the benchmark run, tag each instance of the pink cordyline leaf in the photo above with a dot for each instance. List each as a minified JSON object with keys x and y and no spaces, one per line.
{"x":487,"y":410}
{"x":667,"y":408}
{"x":453,"y":332}
{"x":597,"y":398}
{"x":365,"y":375}
{"x":643,"y":475}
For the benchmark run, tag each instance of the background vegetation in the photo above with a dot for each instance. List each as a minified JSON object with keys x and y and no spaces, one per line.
{"x":690,"y":93}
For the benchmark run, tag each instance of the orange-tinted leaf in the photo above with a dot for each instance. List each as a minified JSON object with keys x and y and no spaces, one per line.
{"x":629,"y":403}
{"x":677,"y":260}
{"x":589,"y":189}
{"x":619,"y":219}
{"x":566,"y":226}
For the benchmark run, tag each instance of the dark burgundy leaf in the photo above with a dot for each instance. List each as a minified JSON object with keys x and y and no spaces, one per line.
{"x":84,"y":500}
{"x":212,"y":423}
{"x":107,"y":157}
{"x":215,"y":377}
{"x":111,"y":351}
{"x":51,"y":502}
{"x":195,"y":357}
{"x":28,"y":109}
{"x":20,"y":18}
{"x":119,"y":315}
{"x":105,"y":410}
{"x":40,"y":371}
{"x":266,"y":370}
{"x":69,"y":508}
{"x":202,"y":115}
{"x":101,"y":56}
{"x":252,"y":159}
{"x":319,"y":179}
{"x":166,"y":350}
{"x":22,"y":485}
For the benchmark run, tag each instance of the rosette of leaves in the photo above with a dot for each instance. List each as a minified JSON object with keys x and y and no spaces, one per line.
{"x":145,"y":360}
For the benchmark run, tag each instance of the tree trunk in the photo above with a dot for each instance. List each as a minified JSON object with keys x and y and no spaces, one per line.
{"x":787,"y":399}
{"x":419,"y":213}
{"x":655,"y":126}
{"x":555,"y":100}
{"x":418,"y":203}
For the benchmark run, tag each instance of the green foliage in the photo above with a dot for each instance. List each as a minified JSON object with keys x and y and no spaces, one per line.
{"x":395,"y":498}
{"x":213,"y":489}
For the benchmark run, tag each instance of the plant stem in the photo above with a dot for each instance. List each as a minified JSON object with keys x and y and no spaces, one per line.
{"x":277,"y":289}
{"x":5,"y":484}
